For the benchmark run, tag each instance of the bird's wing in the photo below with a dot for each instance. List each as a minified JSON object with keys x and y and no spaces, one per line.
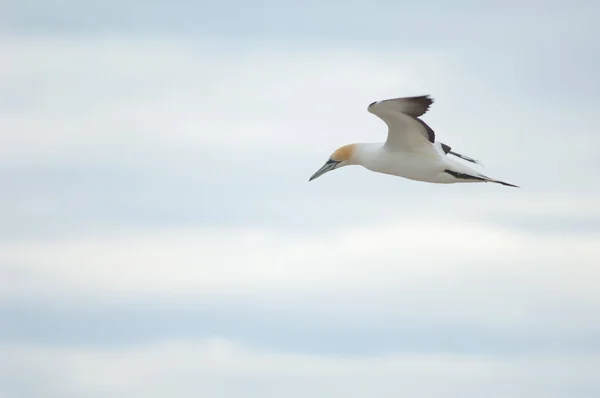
{"x":405,"y":130}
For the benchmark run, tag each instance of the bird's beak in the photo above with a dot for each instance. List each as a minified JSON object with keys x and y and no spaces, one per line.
{"x":328,"y":166}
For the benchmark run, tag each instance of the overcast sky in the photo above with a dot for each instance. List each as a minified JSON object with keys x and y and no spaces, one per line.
{"x":159,"y":237}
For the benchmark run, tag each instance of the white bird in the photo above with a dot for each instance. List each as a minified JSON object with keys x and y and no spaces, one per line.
{"x":410,"y":150}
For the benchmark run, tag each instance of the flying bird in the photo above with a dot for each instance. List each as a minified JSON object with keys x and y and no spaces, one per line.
{"x":410,"y":150}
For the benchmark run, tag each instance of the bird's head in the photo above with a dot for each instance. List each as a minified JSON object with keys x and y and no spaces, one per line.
{"x":343,"y":156}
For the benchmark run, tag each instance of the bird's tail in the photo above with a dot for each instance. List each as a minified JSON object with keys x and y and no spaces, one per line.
{"x":462,"y":172}
{"x":488,"y":179}
{"x":501,"y":182}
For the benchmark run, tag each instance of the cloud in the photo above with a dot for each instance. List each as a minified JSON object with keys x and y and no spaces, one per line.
{"x":220,"y":368}
{"x":387,"y":24}
{"x":408,"y":271}
{"x":354,"y":256}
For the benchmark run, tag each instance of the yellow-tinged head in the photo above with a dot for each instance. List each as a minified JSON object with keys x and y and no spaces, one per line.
{"x":343,"y":156}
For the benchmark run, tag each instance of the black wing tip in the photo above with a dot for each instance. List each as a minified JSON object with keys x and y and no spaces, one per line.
{"x":418,"y":105}
{"x":426,"y":97}
{"x":422,"y":104}
{"x":423,"y":100}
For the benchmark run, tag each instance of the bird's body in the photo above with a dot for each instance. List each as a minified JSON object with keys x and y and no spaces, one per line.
{"x":410,"y":150}
{"x":419,"y":166}
{"x":426,"y":166}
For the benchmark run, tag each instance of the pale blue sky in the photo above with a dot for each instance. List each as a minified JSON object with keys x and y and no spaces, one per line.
{"x":159,"y":237}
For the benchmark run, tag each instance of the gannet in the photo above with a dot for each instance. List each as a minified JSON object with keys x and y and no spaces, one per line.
{"x":410,"y":150}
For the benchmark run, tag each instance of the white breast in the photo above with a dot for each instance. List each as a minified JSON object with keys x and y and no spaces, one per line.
{"x":420,"y":166}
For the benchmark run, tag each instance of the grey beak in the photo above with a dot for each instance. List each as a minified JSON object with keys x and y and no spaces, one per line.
{"x":328,"y":166}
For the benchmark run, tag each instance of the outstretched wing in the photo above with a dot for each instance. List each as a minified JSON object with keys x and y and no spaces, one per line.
{"x":405,"y":130}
